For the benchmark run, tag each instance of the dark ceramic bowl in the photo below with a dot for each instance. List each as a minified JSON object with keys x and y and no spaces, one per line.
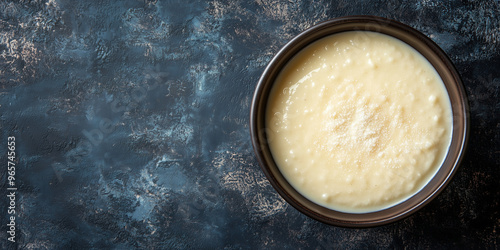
{"x":260,"y":134}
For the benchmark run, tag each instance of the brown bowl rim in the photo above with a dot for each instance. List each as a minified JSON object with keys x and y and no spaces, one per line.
{"x":421,"y":43}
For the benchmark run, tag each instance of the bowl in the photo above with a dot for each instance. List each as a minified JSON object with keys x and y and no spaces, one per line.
{"x":261,"y":135}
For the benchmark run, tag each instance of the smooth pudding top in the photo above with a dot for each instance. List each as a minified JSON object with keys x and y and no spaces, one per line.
{"x":359,"y":121}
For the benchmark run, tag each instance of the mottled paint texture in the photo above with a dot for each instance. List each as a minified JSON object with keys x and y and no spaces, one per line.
{"x":131,"y":123}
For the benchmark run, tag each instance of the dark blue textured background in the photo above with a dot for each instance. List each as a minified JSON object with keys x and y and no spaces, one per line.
{"x":131,"y":124}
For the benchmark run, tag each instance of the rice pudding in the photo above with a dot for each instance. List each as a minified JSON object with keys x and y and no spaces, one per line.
{"x":360,"y":120}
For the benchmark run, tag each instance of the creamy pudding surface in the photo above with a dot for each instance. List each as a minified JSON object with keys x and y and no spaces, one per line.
{"x":359,"y":121}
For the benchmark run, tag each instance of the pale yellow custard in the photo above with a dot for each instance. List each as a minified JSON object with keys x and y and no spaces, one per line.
{"x":359,"y":121}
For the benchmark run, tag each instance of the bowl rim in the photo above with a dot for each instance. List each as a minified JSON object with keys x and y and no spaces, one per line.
{"x":404,"y":33}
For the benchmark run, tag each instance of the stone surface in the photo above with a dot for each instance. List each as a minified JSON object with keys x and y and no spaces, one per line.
{"x":131,"y":124}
